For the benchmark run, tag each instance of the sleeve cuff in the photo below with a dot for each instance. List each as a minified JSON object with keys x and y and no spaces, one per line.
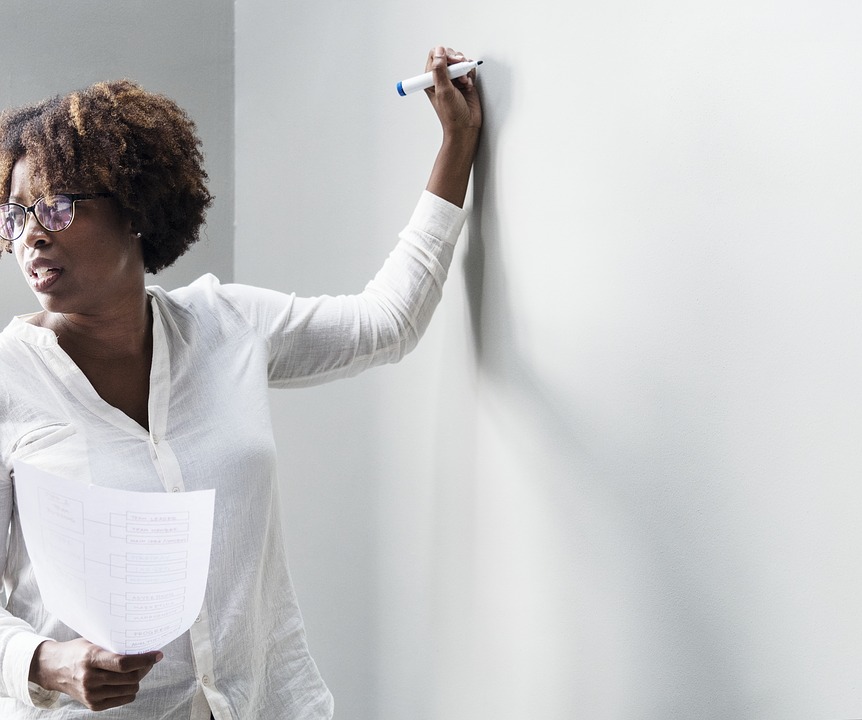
{"x":42,"y":698}
{"x":19,"y":651}
{"x":438,"y":218}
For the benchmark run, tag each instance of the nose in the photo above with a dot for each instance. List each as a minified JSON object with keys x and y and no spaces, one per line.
{"x":34,"y":235}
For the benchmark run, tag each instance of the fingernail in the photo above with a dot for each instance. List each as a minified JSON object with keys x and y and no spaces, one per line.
{"x":159,"y":657}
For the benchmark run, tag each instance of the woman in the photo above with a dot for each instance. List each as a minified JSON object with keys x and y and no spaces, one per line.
{"x":137,"y":388}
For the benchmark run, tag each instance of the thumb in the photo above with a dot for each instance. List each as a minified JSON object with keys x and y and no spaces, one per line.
{"x":439,"y":67}
{"x":113,"y":662}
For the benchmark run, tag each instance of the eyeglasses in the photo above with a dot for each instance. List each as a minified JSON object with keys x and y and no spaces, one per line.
{"x":54,"y":213}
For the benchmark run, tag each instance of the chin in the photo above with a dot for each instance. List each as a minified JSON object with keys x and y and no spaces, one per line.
{"x":54,"y":304}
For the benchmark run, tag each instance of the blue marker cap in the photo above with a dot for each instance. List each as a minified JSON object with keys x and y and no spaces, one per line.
{"x":401,"y":90}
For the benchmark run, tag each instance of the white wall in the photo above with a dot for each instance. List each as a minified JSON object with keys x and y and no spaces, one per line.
{"x":182,"y":49}
{"x":620,"y":476}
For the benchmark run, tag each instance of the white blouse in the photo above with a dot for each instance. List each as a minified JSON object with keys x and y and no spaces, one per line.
{"x":216,"y":351}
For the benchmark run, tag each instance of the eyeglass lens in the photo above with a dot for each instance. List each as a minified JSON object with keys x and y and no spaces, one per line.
{"x":53,"y":213}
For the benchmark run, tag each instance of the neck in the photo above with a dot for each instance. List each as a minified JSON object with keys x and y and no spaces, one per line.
{"x":123,"y":332}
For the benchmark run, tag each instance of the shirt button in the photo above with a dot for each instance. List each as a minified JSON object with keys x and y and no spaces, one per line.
{"x":198,"y":619}
{"x":175,"y":489}
{"x":205,"y":679}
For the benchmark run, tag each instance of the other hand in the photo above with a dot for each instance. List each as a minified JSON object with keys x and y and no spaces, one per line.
{"x":96,"y":678}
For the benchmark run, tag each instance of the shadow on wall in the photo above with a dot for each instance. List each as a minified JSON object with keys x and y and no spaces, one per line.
{"x":623,"y":505}
{"x":490,"y":309}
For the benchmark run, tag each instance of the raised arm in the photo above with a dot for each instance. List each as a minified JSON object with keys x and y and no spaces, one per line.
{"x":460,"y":112}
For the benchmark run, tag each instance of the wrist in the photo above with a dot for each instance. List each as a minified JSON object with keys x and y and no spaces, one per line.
{"x":451,"y":172}
{"x":463,"y":139}
{"x":37,"y":665}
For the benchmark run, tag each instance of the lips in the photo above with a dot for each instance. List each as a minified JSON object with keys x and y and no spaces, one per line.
{"x":42,"y":273}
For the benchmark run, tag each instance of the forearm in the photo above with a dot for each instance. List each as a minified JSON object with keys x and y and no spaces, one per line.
{"x":460,"y":113}
{"x":451,"y":172}
{"x":18,"y":639}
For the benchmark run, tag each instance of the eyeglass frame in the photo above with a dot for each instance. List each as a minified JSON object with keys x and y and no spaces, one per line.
{"x":74,"y":197}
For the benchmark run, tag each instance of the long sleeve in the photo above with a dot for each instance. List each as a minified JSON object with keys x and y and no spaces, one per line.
{"x":314,"y":340}
{"x":18,"y":641}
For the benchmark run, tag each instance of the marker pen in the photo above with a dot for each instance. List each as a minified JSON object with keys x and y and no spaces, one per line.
{"x":426,"y":80}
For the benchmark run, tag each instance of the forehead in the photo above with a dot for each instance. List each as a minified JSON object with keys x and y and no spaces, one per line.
{"x":27,"y":182}
{"x":19,"y":185}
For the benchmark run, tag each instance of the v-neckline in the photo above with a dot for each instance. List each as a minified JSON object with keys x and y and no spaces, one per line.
{"x":74,"y":379}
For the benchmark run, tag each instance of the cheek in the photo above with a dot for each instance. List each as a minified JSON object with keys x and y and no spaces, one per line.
{"x":19,"y":255}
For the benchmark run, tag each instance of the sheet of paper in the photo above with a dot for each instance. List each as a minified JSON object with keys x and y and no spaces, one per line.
{"x":126,"y":570}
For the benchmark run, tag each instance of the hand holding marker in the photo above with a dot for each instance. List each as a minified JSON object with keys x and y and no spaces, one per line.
{"x":426,"y":80}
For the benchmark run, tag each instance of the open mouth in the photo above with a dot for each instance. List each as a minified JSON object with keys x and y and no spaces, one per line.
{"x":42,"y":278}
{"x":43,"y":273}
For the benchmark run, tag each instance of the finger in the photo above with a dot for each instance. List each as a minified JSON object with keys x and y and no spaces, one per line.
{"x":439,"y":64}
{"x":429,"y":61}
{"x":454,"y":56}
{"x":97,"y":676}
{"x":113,"y":662}
{"x":100,"y":693}
{"x":101,"y":689}
{"x":112,"y":703}
{"x":98,"y":683}
{"x":102,"y":701}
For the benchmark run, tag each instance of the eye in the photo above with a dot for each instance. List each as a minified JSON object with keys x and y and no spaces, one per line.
{"x":55,"y":212}
{"x":11,"y":221}
{"x":58,"y":203}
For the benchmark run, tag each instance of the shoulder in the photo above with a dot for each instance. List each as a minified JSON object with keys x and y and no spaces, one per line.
{"x":208,"y":303}
{"x":22,"y":400}
{"x":201,"y":291}
{"x":16,"y":338}
{"x":203,"y":300}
